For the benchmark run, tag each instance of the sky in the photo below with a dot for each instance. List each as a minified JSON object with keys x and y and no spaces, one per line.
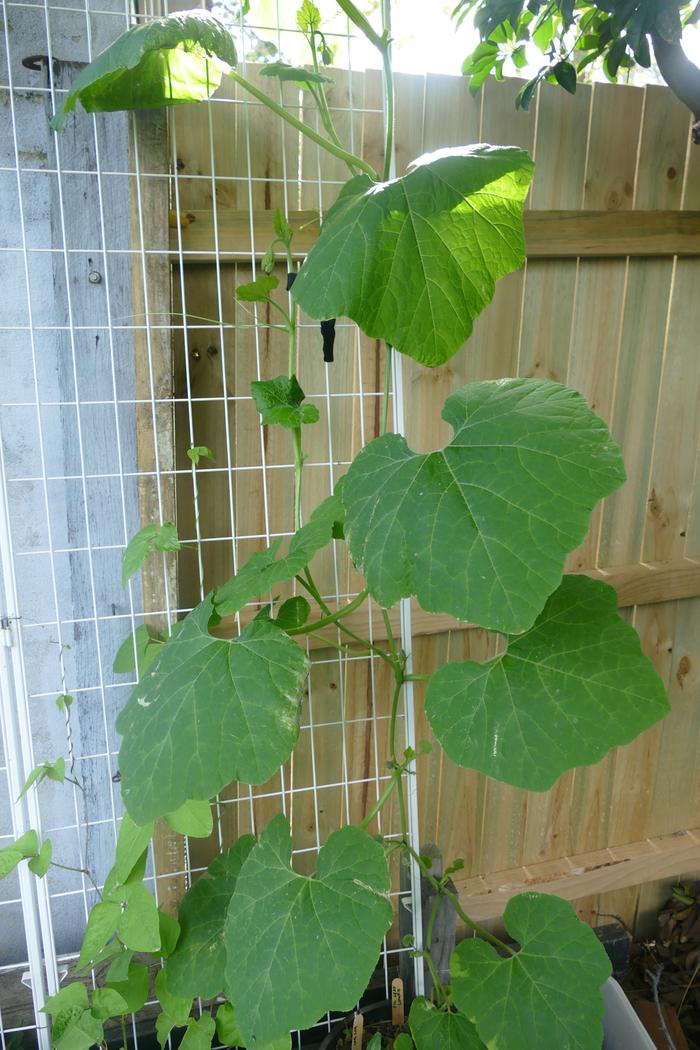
{"x":425,"y":39}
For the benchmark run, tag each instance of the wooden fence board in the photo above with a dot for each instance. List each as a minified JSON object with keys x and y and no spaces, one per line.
{"x":605,"y":216}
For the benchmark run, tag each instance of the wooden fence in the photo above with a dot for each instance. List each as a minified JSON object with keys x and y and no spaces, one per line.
{"x":609,"y":302}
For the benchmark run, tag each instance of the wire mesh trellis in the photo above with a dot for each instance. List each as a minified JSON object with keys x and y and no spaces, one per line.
{"x":93,"y":436}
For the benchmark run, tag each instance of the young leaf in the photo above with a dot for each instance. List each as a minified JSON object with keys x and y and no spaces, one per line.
{"x":415,"y":260}
{"x":226,"y":1028}
{"x":64,"y":701}
{"x":40,"y":864}
{"x":46,"y":771}
{"x":239,"y":699}
{"x":432,"y":1028}
{"x":199,"y":1033}
{"x":267,"y":263}
{"x":196,"y":966}
{"x":375,"y":1042}
{"x":106,"y":1002}
{"x":280,"y":401}
{"x":134,"y":990}
{"x":101,"y":925}
{"x":297,"y":74}
{"x":257,"y":291}
{"x":281,"y":227}
{"x":265,"y":569}
{"x":24,"y":847}
{"x":166,"y":538}
{"x":197,"y":452}
{"x":565,"y":692}
{"x":176,"y":1009}
{"x":308,"y":17}
{"x":481,"y":529}
{"x":165,"y":61}
{"x":145,"y":641}
{"x":404,"y":1042}
{"x":132,"y":842}
{"x":136,"y":552}
{"x":193,"y":817}
{"x":169,"y":929}
{"x":293,"y":613}
{"x":548,"y":994}
{"x":298,"y":946}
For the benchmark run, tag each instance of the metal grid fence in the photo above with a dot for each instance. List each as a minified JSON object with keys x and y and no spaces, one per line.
{"x":74,"y":234}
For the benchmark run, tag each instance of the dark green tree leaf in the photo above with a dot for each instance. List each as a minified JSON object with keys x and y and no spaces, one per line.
{"x":299,"y":946}
{"x":177,"y":58}
{"x":196,"y":967}
{"x":264,"y":569}
{"x":281,"y":400}
{"x":432,"y":1028}
{"x":481,"y":529}
{"x":239,"y":700}
{"x":548,"y":994}
{"x":562,"y":695}
{"x":193,"y":818}
{"x":297,"y":74}
{"x":565,"y":75}
{"x":415,"y":260}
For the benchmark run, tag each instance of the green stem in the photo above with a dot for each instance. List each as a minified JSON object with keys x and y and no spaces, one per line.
{"x":388,"y":88}
{"x":379,"y":804}
{"x":358,"y":19}
{"x":437,"y":983}
{"x":438,"y":986}
{"x":124,"y":1039}
{"x":313,"y":590}
{"x":387,"y":388}
{"x":305,"y":129}
{"x":332,"y":617}
{"x":390,"y":635}
{"x":418,"y":677}
{"x":394,"y":714}
{"x":322,"y":103}
{"x":298,"y":470}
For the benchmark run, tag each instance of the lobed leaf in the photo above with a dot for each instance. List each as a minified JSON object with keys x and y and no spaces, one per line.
{"x":299,"y":946}
{"x":481,"y":529}
{"x":281,"y":401}
{"x":415,"y":260}
{"x":238,"y":700}
{"x":165,"y":61}
{"x":548,"y":994}
{"x":565,"y":692}
{"x":196,"y":966}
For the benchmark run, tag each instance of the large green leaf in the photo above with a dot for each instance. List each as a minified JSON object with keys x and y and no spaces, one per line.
{"x":196,"y":967}
{"x":548,"y":994}
{"x":264,"y":569}
{"x":298,"y":946}
{"x":415,"y":260}
{"x":562,"y":695}
{"x":177,"y":58}
{"x":434,"y":1029}
{"x":209,"y":711}
{"x":481,"y":528}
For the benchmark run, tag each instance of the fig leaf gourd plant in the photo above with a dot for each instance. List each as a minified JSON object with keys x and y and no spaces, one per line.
{"x":479,"y":529}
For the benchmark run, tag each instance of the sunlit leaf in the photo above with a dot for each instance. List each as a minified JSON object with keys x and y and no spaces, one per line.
{"x":415,"y":260}
{"x":162,"y":62}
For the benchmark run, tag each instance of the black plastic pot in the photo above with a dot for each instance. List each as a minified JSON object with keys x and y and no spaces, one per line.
{"x":376,"y":1012}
